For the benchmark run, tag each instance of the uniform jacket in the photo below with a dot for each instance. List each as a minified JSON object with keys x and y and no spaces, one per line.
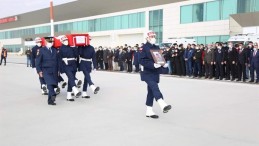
{"x":47,"y":62}
{"x":254,"y":59}
{"x":35,"y":50}
{"x":87,"y":52}
{"x":242,"y":56}
{"x":68,"y":52}
{"x":149,"y":73}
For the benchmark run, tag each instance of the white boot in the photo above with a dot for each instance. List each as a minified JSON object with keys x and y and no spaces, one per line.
{"x":44,"y":87}
{"x":69,"y":97}
{"x":57,"y":90}
{"x":164,"y":107}
{"x":95,"y":89}
{"x":150,"y":113}
{"x":76,"y":92}
{"x":84,"y":95}
{"x":78,"y":83}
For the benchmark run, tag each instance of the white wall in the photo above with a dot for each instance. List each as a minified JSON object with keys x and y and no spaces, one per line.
{"x":173,"y":28}
{"x":254,"y":30}
{"x":16,"y":41}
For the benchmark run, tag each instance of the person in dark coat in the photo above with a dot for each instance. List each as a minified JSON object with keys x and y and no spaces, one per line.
{"x":116,"y":58}
{"x":188,"y":57}
{"x":208,"y":61}
{"x":3,"y":55}
{"x":197,"y":61}
{"x":150,"y":74}
{"x":28,"y":55}
{"x":254,"y":63}
{"x":105,"y":58}
{"x":242,"y":63}
{"x":136,"y":59}
{"x":110,"y":58}
{"x":232,"y":58}
{"x":182,"y":62}
{"x":87,"y":59}
{"x":99,"y":57}
{"x":219,"y":60}
{"x":122,"y":59}
{"x":129,"y":59}
{"x":47,"y":65}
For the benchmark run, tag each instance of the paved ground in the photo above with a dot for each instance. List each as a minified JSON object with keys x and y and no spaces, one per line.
{"x":205,"y":113}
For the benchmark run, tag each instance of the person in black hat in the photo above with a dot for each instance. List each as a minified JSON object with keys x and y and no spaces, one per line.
{"x":47,"y":67}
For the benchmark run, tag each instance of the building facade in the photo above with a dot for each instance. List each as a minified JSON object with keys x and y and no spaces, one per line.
{"x":207,"y":21}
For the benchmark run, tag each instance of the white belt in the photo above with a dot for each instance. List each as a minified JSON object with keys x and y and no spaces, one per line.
{"x":67,"y":59}
{"x":90,"y":60}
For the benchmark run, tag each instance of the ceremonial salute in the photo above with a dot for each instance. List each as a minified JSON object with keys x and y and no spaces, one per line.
{"x":35,"y":50}
{"x":150,"y":74}
{"x":87,"y":58}
{"x":68,"y":57}
{"x":47,"y":67}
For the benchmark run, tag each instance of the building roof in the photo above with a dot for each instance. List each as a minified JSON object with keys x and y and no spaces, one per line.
{"x":80,"y":9}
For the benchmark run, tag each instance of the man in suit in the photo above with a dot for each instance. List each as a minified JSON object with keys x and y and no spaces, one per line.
{"x":242,"y":63}
{"x":87,"y":58}
{"x":208,"y":62}
{"x":219,"y":59}
{"x":150,"y":74}
{"x":232,"y":58}
{"x":254,"y":63}
{"x":48,"y":67}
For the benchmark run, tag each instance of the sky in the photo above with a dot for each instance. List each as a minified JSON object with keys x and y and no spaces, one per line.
{"x":16,"y":7}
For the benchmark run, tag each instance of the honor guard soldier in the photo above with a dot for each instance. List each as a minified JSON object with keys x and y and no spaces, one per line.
{"x":35,"y":50}
{"x":47,"y":65}
{"x":87,"y":58}
{"x":68,"y":56}
{"x":150,"y":74}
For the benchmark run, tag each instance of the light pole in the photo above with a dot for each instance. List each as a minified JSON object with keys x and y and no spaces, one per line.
{"x":51,"y":19}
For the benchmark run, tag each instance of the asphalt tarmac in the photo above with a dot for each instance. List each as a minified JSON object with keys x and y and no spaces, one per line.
{"x":204,"y":112}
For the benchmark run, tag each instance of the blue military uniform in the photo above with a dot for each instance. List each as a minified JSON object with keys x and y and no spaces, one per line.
{"x":68,"y":56}
{"x":35,"y":50}
{"x":47,"y":63}
{"x":150,"y":74}
{"x":87,"y":59}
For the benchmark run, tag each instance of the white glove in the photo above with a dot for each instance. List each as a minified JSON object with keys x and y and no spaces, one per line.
{"x":65,"y":60}
{"x":94,"y":70}
{"x":157,"y":65}
{"x":165,"y":65}
{"x":35,"y":70}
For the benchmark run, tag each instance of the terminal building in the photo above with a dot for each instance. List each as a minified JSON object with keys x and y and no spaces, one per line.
{"x":113,"y":23}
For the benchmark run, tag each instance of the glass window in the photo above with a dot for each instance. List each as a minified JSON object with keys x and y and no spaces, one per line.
{"x":224,"y":38}
{"x":244,"y":6}
{"x":212,"y":11}
{"x":142,"y":19}
{"x":117,"y":22}
{"x":91,"y":26}
{"x":197,"y":13}
{"x":256,"y":5}
{"x":212,"y":39}
{"x":201,"y":40}
{"x":228,"y":7}
{"x":186,"y":14}
{"x":124,"y":21}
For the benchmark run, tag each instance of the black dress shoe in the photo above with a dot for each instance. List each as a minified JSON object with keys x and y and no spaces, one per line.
{"x":251,"y":81}
{"x":57,"y":91}
{"x":167,"y":108}
{"x":96,"y":90}
{"x":85,"y":96}
{"x":64,"y":85}
{"x":44,"y":88}
{"x":52,"y":103}
{"x":79,"y":83}
{"x":72,"y":94}
{"x":153,"y":116}
{"x":70,"y":99}
{"x":78,"y":94}
{"x":53,"y":98}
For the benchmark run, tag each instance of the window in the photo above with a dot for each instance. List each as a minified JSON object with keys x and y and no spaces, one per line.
{"x":186,"y":14}
{"x":256,"y":5}
{"x":228,"y":7}
{"x":156,"y":23}
{"x":212,"y":11}
{"x":197,"y":13}
{"x":244,"y":6}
